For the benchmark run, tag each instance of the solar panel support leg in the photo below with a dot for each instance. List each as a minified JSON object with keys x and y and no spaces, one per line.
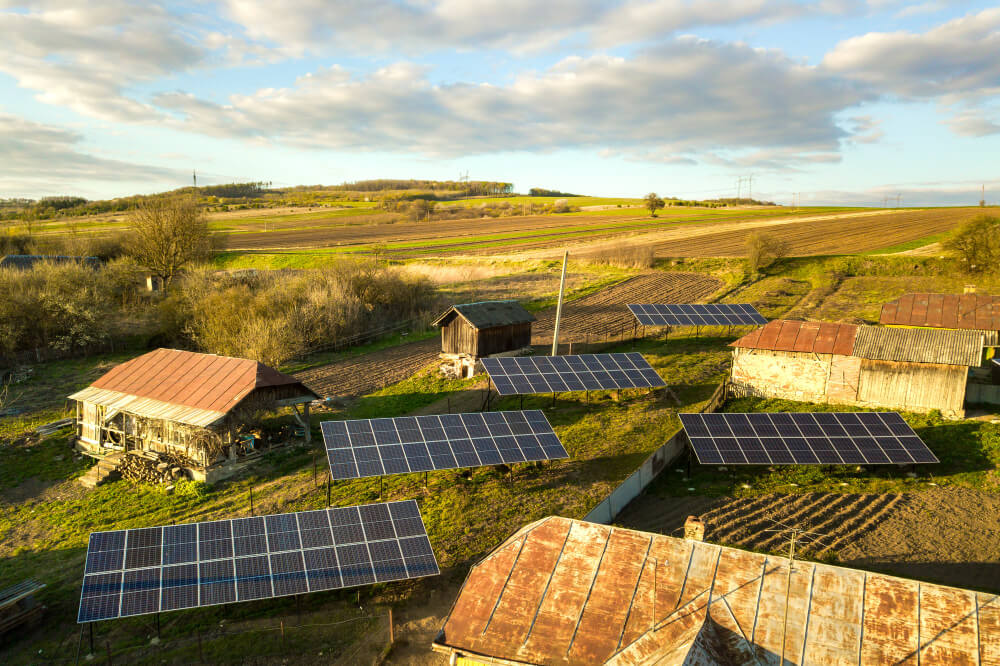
{"x":157,"y":626}
{"x":328,"y":490}
{"x":251,"y":500}
{"x":91,"y":638}
{"x":553,"y":401}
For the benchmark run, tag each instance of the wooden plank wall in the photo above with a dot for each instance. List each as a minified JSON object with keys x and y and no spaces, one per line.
{"x":915,"y":386}
{"x":459,"y":337}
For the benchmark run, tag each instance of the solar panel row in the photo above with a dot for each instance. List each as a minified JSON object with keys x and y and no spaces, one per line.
{"x":379,"y":447}
{"x":148,"y":570}
{"x":867,"y":438}
{"x":557,"y":374}
{"x":697,"y":314}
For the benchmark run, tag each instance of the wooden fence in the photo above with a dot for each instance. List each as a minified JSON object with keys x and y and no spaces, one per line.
{"x":612,"y":505}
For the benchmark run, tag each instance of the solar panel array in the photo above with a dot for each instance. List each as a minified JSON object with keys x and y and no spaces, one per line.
{"x":697,"y":314}
{"x":379,"y":447}
{"x":519,"y":375}
{"x":153,"y":569}
{"x":811,"y":438}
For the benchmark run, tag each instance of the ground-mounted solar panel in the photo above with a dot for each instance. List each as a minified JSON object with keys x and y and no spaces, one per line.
{"x":520,"y":375}
{"x":155,"y":569}
{"x":808,"y":438}
{"x":406,"y":444}
{"x":697,"y":314}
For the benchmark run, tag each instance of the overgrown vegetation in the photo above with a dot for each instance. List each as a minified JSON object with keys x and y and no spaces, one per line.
{"x":165,"y":235}
{"x":976,"y":244}
{"x":763,"y":249}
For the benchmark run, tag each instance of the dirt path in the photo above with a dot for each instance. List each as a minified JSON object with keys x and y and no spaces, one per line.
{"x":585,"y":318}
{"x":942,"y":535}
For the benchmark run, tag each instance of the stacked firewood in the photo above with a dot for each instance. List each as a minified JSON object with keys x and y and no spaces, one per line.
{"x":147,"y":469}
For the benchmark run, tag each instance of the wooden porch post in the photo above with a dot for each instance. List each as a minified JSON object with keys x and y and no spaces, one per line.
{"x":305,"y":420}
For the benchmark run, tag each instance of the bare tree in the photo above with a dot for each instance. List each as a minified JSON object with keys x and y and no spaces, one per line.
{"x":165,"y":235}
{"x":976,"y":244}
{"x":763,"y":250}
{"x":653,"y":203}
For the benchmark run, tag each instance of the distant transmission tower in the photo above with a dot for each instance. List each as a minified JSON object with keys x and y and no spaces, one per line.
{"x":194,"y":177}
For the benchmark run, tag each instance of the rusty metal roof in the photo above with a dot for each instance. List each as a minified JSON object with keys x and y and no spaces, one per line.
{"x":965,"y":311}
{"x":920,"y":345}
{"x":116,"y":402}
{"x":801,"y":336}
{"x":488,"y":314}
{"x":205,"y":382}
{"x":564,"y":591}
{"x":872,"y":342}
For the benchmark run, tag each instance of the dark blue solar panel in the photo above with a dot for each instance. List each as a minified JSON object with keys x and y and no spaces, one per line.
{"x":808,"y":438}
{"x":520,"y":375}
{"x":697,"y":314}
{"x":449,"y":441}
{"x":267,"y":557}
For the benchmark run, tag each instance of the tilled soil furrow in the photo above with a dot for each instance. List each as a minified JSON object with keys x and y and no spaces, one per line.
{"x":750,"y":527}
{"x":809,"y":523}
{"x":860,"y":523}
{"x":737,"y":510}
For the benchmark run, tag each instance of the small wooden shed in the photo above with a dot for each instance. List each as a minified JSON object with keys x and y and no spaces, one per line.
{"x":471,"y":331}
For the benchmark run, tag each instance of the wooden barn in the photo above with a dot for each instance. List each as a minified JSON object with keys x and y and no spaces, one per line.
{"x":871,"y":366}
{"x":190,"y":407}
{"x":473,"y":330}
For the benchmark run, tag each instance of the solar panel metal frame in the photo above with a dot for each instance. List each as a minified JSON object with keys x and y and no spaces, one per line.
{"x":697,"y":314}
{"x":363,"y":448}
{"x":523,"y":375}
{"x":171,"y":567}
{"x":805,"y":438}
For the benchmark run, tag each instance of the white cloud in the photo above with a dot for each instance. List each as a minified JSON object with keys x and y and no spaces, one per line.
{"x":414,"y":26}
{"x":957,"y":59}
{"x":43,"y":159}
{"x":680,"y":99}
{"x":973,"y":122}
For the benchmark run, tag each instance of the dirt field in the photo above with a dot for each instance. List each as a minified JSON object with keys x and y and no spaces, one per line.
{"x":941,"y":535}
{"x":595,"y":314}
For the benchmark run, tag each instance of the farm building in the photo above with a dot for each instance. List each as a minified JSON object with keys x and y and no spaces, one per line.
{"x":189,"y":405}
{"x":473,"y":330}
{"x":969,"y":312}
{"x":26,"y":262}
{"x":870,"y":366}
{"x":562,"y":591}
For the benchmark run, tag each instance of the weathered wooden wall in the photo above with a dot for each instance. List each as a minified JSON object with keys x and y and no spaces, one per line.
{"x":918,"y":387}
{"x":459,"y":337}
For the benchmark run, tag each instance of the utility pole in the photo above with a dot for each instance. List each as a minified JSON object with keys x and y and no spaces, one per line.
{"x":750,"y":188}
{"x":982,"y":199}
{"x":739,"y":189}
{"x":194,"y":175}
{"x":562,"y":291}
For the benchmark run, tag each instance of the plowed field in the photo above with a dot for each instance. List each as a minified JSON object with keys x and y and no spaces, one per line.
{"x":691,"y":233}
{"x":601,"y":312}
{"x":946,"y":535}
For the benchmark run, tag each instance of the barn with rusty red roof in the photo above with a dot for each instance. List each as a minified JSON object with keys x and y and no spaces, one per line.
{"x":847,"y":364}
{"x":187,"y":405}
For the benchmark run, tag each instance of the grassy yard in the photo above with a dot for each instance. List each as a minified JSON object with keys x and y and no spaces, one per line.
{"x":45,"y":517}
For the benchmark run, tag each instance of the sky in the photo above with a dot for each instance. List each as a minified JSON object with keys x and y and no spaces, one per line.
{"x":851,"y":102}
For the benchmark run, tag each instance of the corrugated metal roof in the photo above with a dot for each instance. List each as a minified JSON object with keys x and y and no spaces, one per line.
{"x":564,"y":591}
{"x":963,"y":311}
{"x":873,"y":342}
{"x":488,"y":314}
{"x":204,"y":382}
{"x":148,"y":407}
{"x":801,"y":336}
{"x":920,"y":345}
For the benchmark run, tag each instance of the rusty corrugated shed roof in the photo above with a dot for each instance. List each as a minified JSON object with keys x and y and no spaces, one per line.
{"x":801,"y":336}
{"x":964,"y":311}
{"x":116,"y":402}
{"x":204,"y":382}
{"x":488,"y":314}
{"x":873,"y":342}
{"x":564,"y":591}
{"x":920,"y":345}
